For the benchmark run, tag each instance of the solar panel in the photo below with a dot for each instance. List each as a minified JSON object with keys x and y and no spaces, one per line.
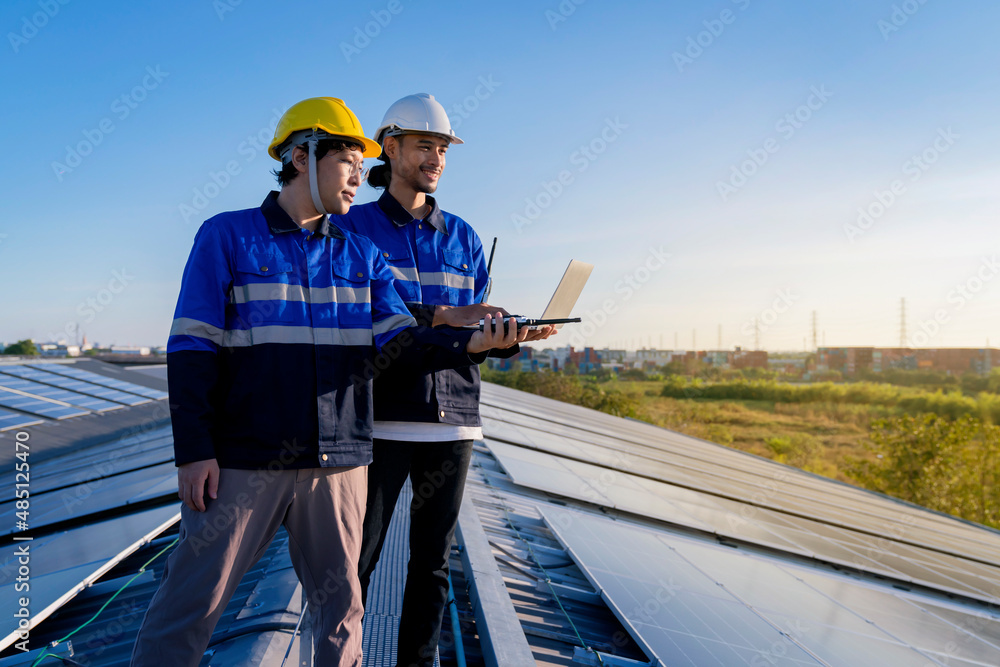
{"x":38,"y":406}
{"x":727,"y":518}
{"x":80,"y":551}
{"x":695,"y":603}
{"x":71,"y":384}
{"x":83,"y":466}
{"x":97,"y":495}
{"x":103,"y":380}
{"x":56,"y":394}
{"x":9,"y":420}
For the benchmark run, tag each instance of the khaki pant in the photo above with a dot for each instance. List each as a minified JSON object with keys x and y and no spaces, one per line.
{"x":321,"y":508}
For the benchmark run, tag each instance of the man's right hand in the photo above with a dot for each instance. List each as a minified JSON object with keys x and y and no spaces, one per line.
{"x":497,"y":337}
{"x":191,"y":487}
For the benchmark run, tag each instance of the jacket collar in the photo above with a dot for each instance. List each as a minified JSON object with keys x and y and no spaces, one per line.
{"x":280,"y":222}
{"x":401,"y":217}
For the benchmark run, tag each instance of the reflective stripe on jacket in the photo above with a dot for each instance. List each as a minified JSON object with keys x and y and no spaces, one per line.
{"x":436,"y":260}
{"x":272,"y":350}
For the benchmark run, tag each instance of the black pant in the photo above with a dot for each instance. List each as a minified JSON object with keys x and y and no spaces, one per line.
{"x":437,"y":472}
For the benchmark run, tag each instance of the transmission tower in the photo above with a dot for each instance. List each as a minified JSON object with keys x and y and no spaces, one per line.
{"x":902,"y":322}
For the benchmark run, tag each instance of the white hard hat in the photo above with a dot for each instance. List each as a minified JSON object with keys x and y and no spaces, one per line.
{"x":416,"y":113}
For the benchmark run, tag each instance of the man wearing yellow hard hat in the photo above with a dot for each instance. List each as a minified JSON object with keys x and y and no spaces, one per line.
{"x":269,"y":363}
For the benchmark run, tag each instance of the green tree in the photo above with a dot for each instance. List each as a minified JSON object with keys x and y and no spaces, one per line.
{"x":25,"y":348}
{"x":947,"y":465}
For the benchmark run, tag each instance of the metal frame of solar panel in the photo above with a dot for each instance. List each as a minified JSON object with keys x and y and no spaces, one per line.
{"x":79,"y":386}
{"x":38,"y":406}
{"x":103,"y":380}
{"x":57,"y":394}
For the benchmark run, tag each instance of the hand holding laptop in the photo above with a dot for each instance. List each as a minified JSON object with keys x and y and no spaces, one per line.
{"x":560,"y":305}
{"x":464,"y":316}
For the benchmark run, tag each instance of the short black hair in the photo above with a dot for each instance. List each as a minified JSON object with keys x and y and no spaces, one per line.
{"x":288,"y":172}
{"x":380,"y":175}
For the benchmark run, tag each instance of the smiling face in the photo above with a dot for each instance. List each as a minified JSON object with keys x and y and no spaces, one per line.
{"x":417,"y":160}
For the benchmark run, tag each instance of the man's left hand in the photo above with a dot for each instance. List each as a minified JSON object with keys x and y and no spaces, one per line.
{"x":460,"y":316}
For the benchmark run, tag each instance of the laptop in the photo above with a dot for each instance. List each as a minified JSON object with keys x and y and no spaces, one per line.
{"x":563,"y":299}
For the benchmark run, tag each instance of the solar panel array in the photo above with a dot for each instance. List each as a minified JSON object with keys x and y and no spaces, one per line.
{"x":644,"y":470}
{"x":56,"y":394}
{"x":38,"y":406}
{"x":710,"y":556}
{"x":577,"y":433}
{"x":70,"y":371}
{"x":79,"y":386}
{"x":748,"y":524}
{"x":701,"y":604}
{"x":60,"y":391}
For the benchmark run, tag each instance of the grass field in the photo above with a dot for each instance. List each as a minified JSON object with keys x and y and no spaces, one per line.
{"x":817,"y":437}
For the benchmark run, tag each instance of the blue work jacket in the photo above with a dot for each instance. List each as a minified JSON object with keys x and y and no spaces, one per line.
{"x":271,"y":355}
{"x":435,"y":260}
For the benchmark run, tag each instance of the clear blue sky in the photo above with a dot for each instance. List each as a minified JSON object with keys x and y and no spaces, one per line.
{"x":103,"y":243}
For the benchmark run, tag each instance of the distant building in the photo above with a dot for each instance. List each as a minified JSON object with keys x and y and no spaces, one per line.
{"x":787,"y":365}
{"x":737,"y":359}
{"x":524,"y":358}
{"x":60,"y":349}
{"x":954,"y":361}
{"x":740,"y":358}
{"x":586,"y":360}
{"x":129,"y":349}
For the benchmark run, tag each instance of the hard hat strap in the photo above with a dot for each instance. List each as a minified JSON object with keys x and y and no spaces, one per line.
{"x":313,"y":181}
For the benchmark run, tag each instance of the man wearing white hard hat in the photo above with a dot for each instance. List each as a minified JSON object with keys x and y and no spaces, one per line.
{"x":425,"y":422}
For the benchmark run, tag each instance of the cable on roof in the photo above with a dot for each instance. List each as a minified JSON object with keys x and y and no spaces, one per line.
{"x":302,"y":615}
{"x":548,"y":579}
{"x":45,"y":654}
{"x":271,"y":626}
{"x":456,"y":626}
{"x":66,"y":661}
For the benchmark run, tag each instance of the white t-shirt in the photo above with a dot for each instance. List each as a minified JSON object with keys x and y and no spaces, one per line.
{"x":425,"y":431}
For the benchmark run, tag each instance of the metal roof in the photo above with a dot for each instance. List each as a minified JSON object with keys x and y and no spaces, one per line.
{"x":583,"y":539}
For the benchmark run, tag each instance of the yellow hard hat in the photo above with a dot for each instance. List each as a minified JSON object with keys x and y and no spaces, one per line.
{"x":328,"y":114}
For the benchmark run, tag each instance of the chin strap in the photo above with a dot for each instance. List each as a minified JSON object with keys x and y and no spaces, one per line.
{"x":313,"y":182}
